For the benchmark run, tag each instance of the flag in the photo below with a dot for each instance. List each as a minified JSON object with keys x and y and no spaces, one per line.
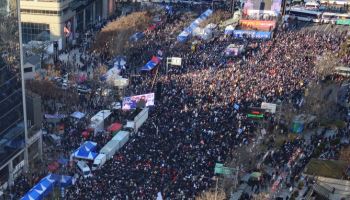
{"x":159,"y":196}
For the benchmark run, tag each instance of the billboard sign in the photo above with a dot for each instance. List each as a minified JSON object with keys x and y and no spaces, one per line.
{"x":139,"y":101}
{"x":258,"y":24}
{"x":251,"y":34}
{"x":269,"y":107}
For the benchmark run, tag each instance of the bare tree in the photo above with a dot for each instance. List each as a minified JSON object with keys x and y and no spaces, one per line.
{"x":113,"y":39}
{"x":210,"y":195}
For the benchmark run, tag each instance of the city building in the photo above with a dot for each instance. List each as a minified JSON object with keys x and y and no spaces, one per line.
{"x":61,"y":20}
{"x":20,"y":139}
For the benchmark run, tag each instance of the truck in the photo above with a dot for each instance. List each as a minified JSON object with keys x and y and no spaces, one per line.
{"x":110,"y":149}
{"x":138,"y":120}
{"x":121,"y":137}
{"x":99,"y":161}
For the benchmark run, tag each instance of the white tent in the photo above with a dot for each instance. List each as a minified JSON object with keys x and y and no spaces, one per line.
{"x":77,"y":115}
{"x":229,"y":29}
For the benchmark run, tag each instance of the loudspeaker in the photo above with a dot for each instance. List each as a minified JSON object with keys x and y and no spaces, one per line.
{"x":159,"y":91}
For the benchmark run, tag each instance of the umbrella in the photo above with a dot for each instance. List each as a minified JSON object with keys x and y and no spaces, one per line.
{"x":255,"y":175}
{"x":85,"y":134}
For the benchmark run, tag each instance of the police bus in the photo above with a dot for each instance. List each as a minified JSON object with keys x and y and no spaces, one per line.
{"x":304,"y":15}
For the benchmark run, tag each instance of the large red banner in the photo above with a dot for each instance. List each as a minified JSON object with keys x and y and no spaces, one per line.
{"x":258,"y":24}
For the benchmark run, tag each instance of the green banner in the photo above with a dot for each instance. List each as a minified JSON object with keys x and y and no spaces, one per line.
{"x":220,"y":169}
{"x":343,"y":21}
{"x":255,"y":116}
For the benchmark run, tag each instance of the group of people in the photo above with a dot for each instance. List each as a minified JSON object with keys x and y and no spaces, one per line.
{"x":200,"y":118}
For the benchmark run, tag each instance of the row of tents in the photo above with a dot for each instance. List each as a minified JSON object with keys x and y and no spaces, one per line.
{"x":184,"y":35}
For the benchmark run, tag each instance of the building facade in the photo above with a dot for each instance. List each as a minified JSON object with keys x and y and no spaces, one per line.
{"x":15,"y":140}
{"x":61,"y":20}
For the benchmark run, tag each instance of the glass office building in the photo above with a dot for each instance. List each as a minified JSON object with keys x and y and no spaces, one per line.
{"x":12,"y":128}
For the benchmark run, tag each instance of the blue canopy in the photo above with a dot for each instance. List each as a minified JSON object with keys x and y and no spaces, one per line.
{"x":137,"y":36}
{"x":61,"y":180}
{"x":63,"y":161}
{"x":188,"y":31}
{"x":32,"y":195}
{"x":119,"y":62}
{"x":82,"y":153}
{"x":65,"y":180}
{"x":85,"y":151}
{"x":89,"y":145}
{"x":40,"y":190}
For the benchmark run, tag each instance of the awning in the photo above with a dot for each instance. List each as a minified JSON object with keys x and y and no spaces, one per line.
{"x":114,"y":127}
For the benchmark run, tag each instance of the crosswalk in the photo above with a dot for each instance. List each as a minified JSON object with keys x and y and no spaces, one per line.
{"x":328,"y":28}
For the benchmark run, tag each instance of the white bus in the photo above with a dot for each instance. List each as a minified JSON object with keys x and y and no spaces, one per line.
{"x":312,"y":5}
{"x":304,"y":15}
{"x":328,"y":17}
{"x":342,"y":71}
{"x":334,"y":2}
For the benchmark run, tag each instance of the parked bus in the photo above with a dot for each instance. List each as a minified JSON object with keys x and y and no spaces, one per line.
{"x":329,"y":17}
{"x":334,"y":3}
{"x":312,"y":5}
{"x":342,"y":71}
{"x":304,"y":15}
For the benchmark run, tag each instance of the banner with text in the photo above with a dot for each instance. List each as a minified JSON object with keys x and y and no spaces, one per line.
{"x":139,"y":101}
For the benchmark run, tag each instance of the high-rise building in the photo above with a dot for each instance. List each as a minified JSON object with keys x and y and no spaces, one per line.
{"x":61,"y":20}
{"x":18,"y":142}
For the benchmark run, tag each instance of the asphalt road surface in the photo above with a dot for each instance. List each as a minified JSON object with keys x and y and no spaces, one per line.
{"x":320,"y":27}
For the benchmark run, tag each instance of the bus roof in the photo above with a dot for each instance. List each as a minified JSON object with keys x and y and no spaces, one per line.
{"x":343,"y":69}
{"x":336,"y":2}
{"x":302,"y":10}
{"x":336,"y":14}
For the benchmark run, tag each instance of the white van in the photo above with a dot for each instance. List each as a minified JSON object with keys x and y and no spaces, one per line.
{"x":84,"y":169}
{"x":99,"y":161}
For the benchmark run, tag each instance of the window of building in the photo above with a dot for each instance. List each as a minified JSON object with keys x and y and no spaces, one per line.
{"x":35,"y":32}
{"x":4,"y":174}
{"x":41,"y":12}
{"x":18,"y":159}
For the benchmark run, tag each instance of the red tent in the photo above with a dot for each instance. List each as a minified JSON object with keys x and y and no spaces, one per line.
{"x":114,"y":127}
{"x":85,"y":134}
{"x":53,"y":166}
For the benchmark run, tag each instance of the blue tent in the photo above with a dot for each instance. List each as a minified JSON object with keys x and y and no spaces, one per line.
{"x":188,"y":31}
{"x":183,"y":36}
{"x":137,"y":36}
{"x":65,"y":180}
{"x":119,"y":62}
{"x":63,"y":161}
{"x":32,"y":195}
{"x":40,"y":190}
{"x":45,"y":186}
{"x":82,"y":153}
{"x":89,"y":145}
{"x":85,"y":151}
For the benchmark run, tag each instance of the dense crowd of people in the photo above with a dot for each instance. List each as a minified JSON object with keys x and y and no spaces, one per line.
{"x":196,"y":122}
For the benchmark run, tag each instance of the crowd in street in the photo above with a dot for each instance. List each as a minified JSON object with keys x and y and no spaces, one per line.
{"x":196,"y":122}
{"x":200,"y":118}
